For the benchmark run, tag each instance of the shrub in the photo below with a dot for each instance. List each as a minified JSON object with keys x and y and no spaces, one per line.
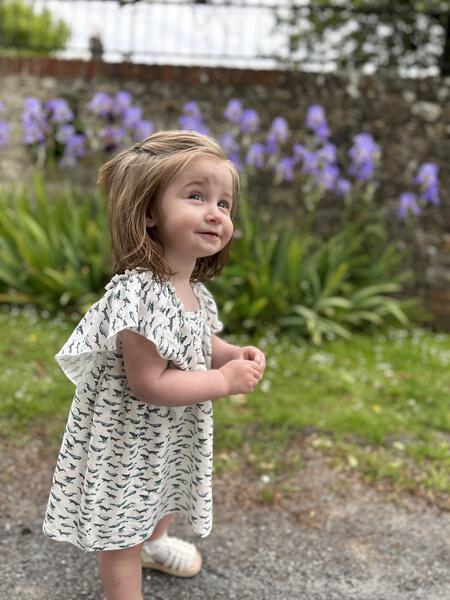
{"x":21,"y":27}
{"x":289,"y":280}
{"x":53,"y":254}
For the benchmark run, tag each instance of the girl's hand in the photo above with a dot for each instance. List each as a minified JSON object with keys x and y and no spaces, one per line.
{"x":253,"y":353}
{"x":241,"y":375}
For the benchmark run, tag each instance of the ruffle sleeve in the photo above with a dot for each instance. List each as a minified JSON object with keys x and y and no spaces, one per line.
{"x":132,"y":301}
{"x":212,"y":317}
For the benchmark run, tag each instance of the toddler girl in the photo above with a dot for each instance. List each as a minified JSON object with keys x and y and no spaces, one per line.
{"x":146,"y":364}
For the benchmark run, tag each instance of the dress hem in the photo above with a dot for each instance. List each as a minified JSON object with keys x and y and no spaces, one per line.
{"x":138,"y":539}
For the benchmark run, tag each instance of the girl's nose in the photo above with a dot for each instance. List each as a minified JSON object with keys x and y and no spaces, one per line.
{"x":213,"y":214}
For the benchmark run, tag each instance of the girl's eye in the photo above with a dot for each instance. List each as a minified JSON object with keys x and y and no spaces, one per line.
{"x":195,"y":194}
{"x":225,"y":203}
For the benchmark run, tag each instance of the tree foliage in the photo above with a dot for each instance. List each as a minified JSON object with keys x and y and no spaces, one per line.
{"x":369,"y":34}
{"x":21,"y":27}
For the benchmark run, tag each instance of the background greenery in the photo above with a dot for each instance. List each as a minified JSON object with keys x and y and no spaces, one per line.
{"x":54,"y":254}
{"x":377,"y":404}
{"x":24,"y":29}
{"x":385,"y":36}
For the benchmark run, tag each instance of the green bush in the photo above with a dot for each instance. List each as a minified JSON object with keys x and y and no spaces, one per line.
{"x":56,"y":255}
{"x":21,"y":27}
{"x":53,"y":254}
{"x":286,"y":279}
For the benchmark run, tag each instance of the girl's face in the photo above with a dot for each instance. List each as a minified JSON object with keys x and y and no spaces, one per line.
{"x":193,"y":213}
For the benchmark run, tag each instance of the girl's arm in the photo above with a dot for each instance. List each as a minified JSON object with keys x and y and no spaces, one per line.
{"x":222,"y":352}
{"x":151,"y":381}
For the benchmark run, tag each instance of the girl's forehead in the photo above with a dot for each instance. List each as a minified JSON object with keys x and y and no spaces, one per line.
{"x":209,"y":169}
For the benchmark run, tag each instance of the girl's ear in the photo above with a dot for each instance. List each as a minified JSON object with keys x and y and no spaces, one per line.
{"x":150,"y":221}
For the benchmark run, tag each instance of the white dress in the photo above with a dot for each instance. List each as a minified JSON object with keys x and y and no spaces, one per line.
{"x":124,"y":464}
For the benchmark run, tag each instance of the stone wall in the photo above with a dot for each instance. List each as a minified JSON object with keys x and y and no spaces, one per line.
{"x":410,"y":119}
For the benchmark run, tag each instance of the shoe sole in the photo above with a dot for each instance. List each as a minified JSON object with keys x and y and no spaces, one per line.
{"x":169,"y":571}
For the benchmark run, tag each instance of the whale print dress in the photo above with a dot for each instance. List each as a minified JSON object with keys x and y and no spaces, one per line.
{"x":124,"y":464}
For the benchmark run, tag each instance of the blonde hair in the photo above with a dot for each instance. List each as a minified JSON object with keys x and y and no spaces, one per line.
{"x":134,"y":180}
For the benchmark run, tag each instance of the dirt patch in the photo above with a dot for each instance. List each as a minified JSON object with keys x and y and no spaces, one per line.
{"x":324,"y":535}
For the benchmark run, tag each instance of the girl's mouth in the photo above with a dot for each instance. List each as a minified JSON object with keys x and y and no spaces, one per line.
{"x":209,"y":234}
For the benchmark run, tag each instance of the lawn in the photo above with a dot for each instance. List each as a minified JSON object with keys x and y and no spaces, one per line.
{"x":378,"y":404}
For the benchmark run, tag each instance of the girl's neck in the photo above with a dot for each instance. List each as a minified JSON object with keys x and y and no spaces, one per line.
{"x":185,"y":293}
{"x":182,"y":268}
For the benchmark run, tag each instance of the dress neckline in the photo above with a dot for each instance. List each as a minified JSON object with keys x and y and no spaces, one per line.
{"x":190,"y":313}
{"x":194,"y":285}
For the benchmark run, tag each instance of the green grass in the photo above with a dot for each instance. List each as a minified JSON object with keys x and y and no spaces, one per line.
{"x":378,"y":404}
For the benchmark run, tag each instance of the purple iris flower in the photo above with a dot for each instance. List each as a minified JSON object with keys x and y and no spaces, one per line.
{"x":131,"y":116}
{"x":285,"y":168}
{"x":363,"y":153}
{"x":228,"y":143}
{"x":64,"y":134}
{"x":143,"y":129}
{"x":111,"y":136}
{"x":233,"y":110}
{"x":408,"y":203}
{"x":34,"y":122}
{"x":33,"y":107}
{"x":191,"y":123}
{"x":33,"y":133}
{"x":249,"y":121}
{"x":316,"y":121}
{"x":363,"y":171}
{"x":121,"y":102}
{"x":193,"y":110}
{"x":58,"y":110}
{"x":427,"y":179}
{"x":4,"y":133}
{"x":272,"y":146}
{"x":322,"y":132}
{"x":101,"y":104}
{"x":308,"y":159}
{"x":73,"y":150}
{"x":327,"y":154}
{"x":431,"y":195}
{"x":255,"y":156}
{"x":310,"y":163}
{"x":326,"y":177}
{"x":279,"y":129}
{"x":343,"y":186}
{"x":236,"y":160}
{"x":299,"y":153}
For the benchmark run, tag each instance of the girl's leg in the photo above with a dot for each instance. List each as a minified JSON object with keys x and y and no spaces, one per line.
{"x":161,"y":527}
{"x":121,"y":573}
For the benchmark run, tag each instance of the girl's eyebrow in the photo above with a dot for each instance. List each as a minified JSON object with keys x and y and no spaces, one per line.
{"x":203,"y":182}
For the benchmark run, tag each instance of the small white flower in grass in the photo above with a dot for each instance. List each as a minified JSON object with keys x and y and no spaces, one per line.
{"x":352,"y":460}
{"x":398,"y":445}
{"x":265,"y":478}
{"x":321,"y":358}
{"x":412,"y":403}
{"x":265,"y":385}
{"x":238,"y":399}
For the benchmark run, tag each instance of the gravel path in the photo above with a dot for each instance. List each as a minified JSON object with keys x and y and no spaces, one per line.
{"x":335,"y":539}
